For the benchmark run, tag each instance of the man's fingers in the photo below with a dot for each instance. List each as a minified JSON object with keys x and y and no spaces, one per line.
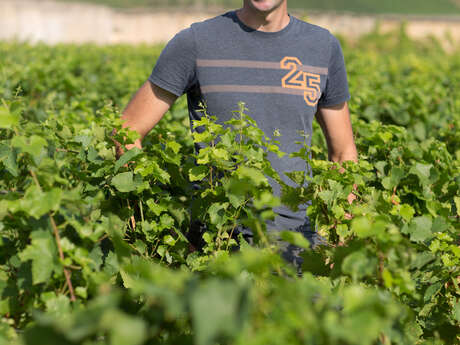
{"x":351,"y":197}
{"x":127,"y":164}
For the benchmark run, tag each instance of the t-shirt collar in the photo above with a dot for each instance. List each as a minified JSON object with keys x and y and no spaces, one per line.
{"x":259,"y":33}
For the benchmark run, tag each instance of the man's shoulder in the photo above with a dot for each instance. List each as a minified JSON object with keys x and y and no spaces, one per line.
{"x":214,"y":22}
{"x":197,"y":29}
{"x":312,"y":29}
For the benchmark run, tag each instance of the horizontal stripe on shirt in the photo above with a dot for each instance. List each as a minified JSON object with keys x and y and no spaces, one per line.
{"x":251,"y":89}
{"x":256,"y":64}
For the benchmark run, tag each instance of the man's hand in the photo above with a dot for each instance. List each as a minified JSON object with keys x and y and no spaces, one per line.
{"x":145,"y":110}
{"x":336,"y":125}
{"x":352,"y":197}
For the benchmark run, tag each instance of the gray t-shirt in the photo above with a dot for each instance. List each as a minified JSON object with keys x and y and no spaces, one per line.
{"x":282,"y":77}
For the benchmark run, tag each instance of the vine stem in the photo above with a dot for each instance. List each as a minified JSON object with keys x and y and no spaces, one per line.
{"x":65,"y":150}
{"x":266,"y":242}
{"x":132,"y":219}
{"x":381,"y":258}
{"x":58,"y":243}
{"x":236,"y":223}
{"x":142,"y":210}
{"x":210,"y":177}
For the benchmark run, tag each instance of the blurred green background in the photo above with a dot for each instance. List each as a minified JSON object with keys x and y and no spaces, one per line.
{"x":420,"y":7}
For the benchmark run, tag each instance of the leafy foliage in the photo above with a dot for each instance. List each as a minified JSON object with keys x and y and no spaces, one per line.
{"x":96,"y":250}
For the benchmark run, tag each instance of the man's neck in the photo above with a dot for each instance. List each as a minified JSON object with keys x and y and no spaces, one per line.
{"x":273,"y":21}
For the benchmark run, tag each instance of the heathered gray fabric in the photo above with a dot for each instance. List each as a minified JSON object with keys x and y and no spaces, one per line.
{"x":222,"y":62}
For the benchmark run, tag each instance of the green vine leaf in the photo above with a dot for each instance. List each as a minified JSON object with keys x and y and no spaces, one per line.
{"x":44,"y":256}
{"x":125,"y":182}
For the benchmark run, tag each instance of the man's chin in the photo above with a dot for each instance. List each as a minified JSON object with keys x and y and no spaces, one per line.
{"x":263,"y":6}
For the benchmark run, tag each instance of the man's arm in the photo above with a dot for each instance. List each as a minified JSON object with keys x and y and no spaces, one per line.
{"x":336,"y":125}
{"x":145,"y":109}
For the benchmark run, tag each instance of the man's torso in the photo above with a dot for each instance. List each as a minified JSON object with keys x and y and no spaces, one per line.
{"x":280,"y":76}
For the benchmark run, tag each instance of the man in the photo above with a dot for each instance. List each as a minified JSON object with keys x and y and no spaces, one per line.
{"x":285,"y":70}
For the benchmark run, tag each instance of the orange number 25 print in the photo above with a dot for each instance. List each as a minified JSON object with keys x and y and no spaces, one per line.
{"x":297,"y":79}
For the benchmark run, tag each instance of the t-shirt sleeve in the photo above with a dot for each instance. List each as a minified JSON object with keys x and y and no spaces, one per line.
{"x":174,"y":70}
{"x":336,"y":90}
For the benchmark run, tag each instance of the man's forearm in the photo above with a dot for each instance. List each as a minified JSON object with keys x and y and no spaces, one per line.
{"x":143,"y":112}
{"x":336,"y":125}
